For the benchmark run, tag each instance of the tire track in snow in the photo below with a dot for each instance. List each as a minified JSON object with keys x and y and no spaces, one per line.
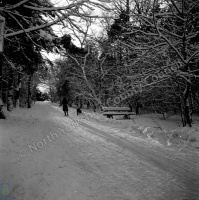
{"x":183,"y":168}
{"x":185,"y":171}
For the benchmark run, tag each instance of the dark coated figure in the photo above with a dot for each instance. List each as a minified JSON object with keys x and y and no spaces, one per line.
{"x":65,"y":106}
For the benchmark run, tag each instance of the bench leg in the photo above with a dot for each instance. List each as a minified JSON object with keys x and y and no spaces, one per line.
{"x":126,"y":116}
{"x":110,"y":116}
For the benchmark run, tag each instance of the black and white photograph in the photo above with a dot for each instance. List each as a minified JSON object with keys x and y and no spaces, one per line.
{"x":99,"y":99}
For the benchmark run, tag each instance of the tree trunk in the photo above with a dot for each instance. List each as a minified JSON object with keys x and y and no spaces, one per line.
{"x":51,"y":95}
{"x":2,"y":116}
{"x":18,"y":90}
{"x":181,"y":113}
{"x":29,"y":91}
{"x":80,"y":103}
{"x":187,"y":92}
{"x":88,"y":105}
{"x":1,"y":69}
{"x":187,"y":110}
{"x":10,"y":91}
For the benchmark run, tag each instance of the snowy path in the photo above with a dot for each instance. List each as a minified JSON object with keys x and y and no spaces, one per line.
{"x":44,"y":155}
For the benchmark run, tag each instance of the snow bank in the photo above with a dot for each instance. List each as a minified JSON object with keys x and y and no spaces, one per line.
{"x":181,"y":136}
{"x":166,"y":132}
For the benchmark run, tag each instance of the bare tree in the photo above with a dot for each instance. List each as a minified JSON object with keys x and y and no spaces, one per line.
{"x":168,"y":30}
{"x":31,"y":20}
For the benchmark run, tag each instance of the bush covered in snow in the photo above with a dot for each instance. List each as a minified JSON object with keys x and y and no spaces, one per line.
{"x":186,"y":136}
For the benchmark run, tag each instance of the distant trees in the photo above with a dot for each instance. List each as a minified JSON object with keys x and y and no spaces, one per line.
{"x":27,"y":33}
{"x":150,"y":44}
{"x":158,"y":49}
{"x":79,"y":70}
{"x":151,"y":48}
{"x":173,"y":31}
{"x":21,"y":48}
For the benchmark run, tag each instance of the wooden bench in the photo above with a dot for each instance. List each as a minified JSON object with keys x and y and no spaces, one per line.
{"x":110,"y":111}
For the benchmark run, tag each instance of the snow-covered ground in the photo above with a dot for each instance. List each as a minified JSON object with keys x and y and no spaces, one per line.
{"x":44,"y":155}
{"x":167,"y":132}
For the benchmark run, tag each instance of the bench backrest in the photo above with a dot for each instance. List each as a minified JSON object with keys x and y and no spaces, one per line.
{"x":116,"y":109}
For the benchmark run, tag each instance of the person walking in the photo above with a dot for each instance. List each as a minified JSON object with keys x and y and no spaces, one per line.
{"x":65,"y":106}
